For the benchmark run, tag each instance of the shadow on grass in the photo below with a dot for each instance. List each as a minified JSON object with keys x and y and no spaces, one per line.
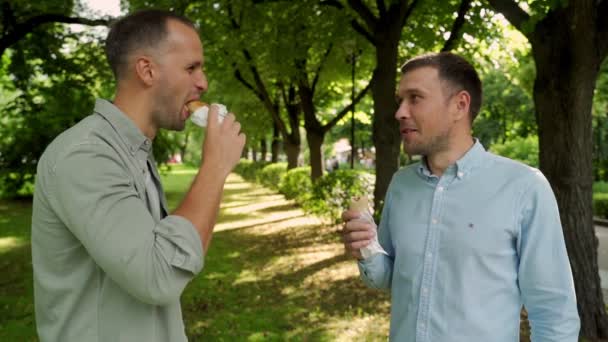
{"x":16,"y":295}
{"x":16,"y":287}
{"x":252,"y":293}
{"x":281,"y":207}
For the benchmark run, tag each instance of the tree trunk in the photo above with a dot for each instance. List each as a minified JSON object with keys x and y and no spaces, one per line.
{"x":293,"y":152}
{"x":567,"y":65}
{"x":292,"y":141}
{"x":385,"y":127}
{"x":315,"y":145}
{"x":183,"y":147}
{"x":254,"y":154}
{"x":263,"y":149}
{"x":274,"y":146}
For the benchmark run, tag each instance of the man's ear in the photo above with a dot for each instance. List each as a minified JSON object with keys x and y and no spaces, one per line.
{"x":462,"y":103}
{"x":145,"y":69}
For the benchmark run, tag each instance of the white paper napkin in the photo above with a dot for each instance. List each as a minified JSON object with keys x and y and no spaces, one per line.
{"x":199,"y":117}
{"x":361,"y":205}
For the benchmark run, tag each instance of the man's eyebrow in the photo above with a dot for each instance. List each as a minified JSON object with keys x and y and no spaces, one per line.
{"x":412,"y":91}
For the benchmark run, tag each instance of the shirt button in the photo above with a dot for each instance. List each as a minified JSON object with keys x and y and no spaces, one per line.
{"x":429,"y":254}
{"x":425,"y":290}
{"x":434,"y":221}
{"x":440,"y":188}
{"x":460,"y":174}
{"x":421,"y":325}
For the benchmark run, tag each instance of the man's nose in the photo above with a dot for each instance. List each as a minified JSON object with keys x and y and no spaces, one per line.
{"x":402,"y":112}
{"x":201,"y":82}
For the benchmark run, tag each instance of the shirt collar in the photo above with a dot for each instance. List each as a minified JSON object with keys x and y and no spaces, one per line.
{"x":130,"y":134}
{"x":463,"y":166}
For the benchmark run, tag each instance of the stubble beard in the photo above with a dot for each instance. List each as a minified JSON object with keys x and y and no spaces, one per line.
{"x":434,"y":145}
{"x":165,"y":116}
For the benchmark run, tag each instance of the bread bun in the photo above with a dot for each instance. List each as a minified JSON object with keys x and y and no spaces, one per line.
{"x":194,"y":105}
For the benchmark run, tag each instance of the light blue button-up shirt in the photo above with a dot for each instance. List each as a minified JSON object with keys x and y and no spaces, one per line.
{"x":466,"y":250}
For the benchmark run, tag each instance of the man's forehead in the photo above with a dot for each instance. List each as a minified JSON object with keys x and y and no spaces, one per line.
{"x":419,"y":79}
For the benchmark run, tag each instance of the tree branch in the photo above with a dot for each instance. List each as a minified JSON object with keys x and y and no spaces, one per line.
{"x":363,"y":31}
{"x":240,"y":78}
{"x":320,"y":67}
{"x":332,"y":3}
{"x":12,"y":35}
{"x":511,"y":10}
{"x":602,"y":11}
{"x":405,"y":11}
{"x":281,"y":86}
{"x":233,"y":22}
{"x":381,"y":8}
{"x":365,"y":13}
{"x":347,"y":109}
{"x":455,"y":34}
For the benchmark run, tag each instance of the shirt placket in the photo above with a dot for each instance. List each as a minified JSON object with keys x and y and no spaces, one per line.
{"x":428,"y":268}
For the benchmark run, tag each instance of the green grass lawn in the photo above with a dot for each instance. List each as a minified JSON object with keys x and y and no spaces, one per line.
{"x":272,"y":274}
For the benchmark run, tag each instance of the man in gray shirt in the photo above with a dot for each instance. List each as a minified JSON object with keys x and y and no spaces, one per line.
{"x":110,"y":262}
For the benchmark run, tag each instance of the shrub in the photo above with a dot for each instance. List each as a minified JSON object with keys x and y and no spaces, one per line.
{"x":332,"y":193}
{"x":523,"y":149}
{"x":600,"y":187}
{"x":600,"y":205}
{"x":271,"y":175}
{"x":248,"y":169}
{"x":296,"y":182}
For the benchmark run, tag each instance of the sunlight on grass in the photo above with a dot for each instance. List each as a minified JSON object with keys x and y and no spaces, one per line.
{"x":275,"y":273}
{"x":247,"y":276}
{"x":9,"y":243}
{"x":267,"y":202}
{"x":234,"y":184}
{"x":184,"y":172}
{"x":257,"y":221}
{"x":366,"y":328}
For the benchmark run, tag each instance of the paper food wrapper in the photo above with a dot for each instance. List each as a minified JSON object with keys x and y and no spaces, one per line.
{"x":361,"y":204}
{"x":199,"y":117}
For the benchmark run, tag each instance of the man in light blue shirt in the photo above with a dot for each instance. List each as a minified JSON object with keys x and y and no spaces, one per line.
{"x":470,"y":236}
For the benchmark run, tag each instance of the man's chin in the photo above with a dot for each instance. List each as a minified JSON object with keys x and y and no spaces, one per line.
{"x":176,"y":126}
{"x":413,"y":150}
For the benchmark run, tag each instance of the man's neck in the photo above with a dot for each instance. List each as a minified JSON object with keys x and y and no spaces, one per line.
{"x":136,"y":108}
{"x":439,"y":162}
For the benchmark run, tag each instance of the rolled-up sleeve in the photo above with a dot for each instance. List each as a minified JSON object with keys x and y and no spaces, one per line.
{"x":94,"y":196}
{"x":545,"y":277}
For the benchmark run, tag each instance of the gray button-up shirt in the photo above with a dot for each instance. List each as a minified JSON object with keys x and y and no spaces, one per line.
{"x":105,"y":268}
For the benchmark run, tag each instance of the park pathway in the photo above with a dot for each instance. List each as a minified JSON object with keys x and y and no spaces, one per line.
{"x":275,"y":273}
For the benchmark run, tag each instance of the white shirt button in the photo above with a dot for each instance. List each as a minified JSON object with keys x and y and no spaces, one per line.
{"x":429,"y":254}
{"x":440,"y":188}
{"x":460,"y":174}
{"x":425,"y":290}
{"x":434,"y":221}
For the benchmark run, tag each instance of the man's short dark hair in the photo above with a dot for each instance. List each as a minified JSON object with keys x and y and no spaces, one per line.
{"x":456,"y":71}
{"x":139,"y":30}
